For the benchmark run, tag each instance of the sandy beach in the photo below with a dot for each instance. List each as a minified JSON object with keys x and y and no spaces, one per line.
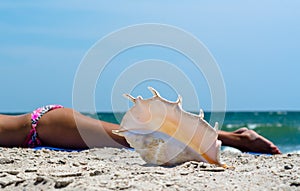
{"x":122,"y":169}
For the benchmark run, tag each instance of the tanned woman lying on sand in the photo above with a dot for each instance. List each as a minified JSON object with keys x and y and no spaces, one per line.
{"x":56,"y":126}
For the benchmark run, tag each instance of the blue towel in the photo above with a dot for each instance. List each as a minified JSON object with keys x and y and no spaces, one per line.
{"x":253,"y":153}
{"x":58,"y":149}
{"x":64,"y":149}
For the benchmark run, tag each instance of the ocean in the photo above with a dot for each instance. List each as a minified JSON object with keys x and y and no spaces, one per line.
{"x":282,"y":128}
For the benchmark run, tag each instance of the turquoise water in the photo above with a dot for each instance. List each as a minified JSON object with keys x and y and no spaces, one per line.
{"x":282,"y":128}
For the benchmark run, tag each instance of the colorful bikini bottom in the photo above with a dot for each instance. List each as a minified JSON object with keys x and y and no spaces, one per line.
{"x":32,"y":139}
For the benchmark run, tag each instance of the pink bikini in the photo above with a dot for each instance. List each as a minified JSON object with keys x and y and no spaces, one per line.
{"x":32,"y":139}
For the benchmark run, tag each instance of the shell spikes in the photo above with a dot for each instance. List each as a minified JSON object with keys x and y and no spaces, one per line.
{"x":154,"y":92}
{"x":179,"y":100}
{"x":216,"y":126}
{"x":130,"y":97}
{"x":164,"y":134}
{"x":201,"y":114}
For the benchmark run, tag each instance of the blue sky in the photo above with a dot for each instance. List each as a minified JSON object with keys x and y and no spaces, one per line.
{"x":255,"y":43}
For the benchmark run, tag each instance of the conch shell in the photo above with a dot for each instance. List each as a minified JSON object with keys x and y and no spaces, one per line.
{"x":164,"y":134}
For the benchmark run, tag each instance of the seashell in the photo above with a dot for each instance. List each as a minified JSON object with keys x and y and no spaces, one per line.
{"x":164,"y":134}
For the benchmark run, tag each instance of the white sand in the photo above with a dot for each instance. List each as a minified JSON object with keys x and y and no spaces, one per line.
{"x":120,"y":169}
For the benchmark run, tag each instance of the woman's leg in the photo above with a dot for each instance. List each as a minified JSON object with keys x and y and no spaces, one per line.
{"x":67,"y":128}
{"x":14,"y":129}
{"x":61,"y":127}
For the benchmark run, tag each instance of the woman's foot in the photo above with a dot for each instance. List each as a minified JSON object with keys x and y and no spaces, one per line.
{"x":250,"y":141}
{"x":247,"y":141}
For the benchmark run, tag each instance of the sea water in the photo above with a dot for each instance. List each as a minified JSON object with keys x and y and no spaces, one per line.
{"x":282,"y":128}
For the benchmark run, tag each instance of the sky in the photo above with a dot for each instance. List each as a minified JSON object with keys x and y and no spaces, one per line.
{"x":255,"y":45}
